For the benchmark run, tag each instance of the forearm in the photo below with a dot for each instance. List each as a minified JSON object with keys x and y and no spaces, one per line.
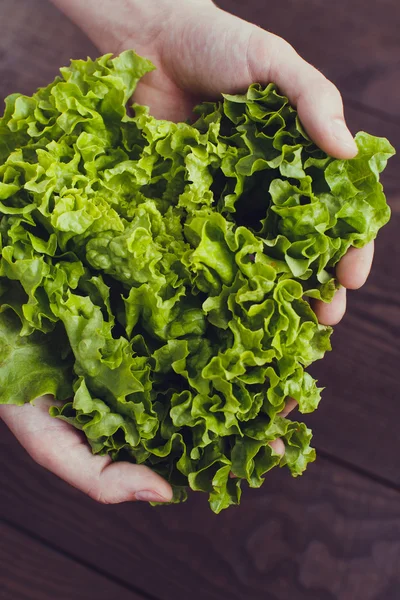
{"x":109,"y":23}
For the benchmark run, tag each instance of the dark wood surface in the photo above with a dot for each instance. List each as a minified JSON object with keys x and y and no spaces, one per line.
{"x":333,"y":534}
{"x":33,"y":571}
{"x":330,"y":534}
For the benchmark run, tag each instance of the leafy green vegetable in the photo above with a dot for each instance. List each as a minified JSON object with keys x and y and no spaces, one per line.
{"x":154,"y":276}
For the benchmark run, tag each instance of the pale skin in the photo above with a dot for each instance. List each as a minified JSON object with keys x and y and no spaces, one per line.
{"x":200,"y":51}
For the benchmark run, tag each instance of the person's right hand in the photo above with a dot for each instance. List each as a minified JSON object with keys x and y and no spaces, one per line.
{"x":63,"y":450}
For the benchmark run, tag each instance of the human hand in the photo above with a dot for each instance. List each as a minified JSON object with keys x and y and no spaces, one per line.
{"x":64,"y":451}
{"x":199,"y":52}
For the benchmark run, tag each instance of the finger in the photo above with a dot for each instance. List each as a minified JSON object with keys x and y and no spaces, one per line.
{"x":355,"y":266}
{"x":332,"y":313}
{"x":63,"y":450}
{"x":278,"y":446}
{"x":291,"y":404}
{"x":318,"y":101}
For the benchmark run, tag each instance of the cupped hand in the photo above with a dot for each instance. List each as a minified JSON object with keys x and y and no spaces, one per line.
{"x":200,"y":51}
{"x":64,"y":451}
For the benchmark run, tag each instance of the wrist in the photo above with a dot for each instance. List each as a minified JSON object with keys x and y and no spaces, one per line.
{"x":110,"y":24}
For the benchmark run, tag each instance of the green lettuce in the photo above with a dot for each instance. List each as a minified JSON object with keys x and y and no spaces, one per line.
{"x":155,"y":277}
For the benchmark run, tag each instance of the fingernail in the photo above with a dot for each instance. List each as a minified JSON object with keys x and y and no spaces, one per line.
{"x":149,"y":496}
{"x":343,"y":135}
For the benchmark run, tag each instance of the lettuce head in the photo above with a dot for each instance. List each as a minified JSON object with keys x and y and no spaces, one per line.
{"x":156,"y":277}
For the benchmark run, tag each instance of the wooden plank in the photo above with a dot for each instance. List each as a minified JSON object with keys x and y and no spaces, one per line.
{"x":32,"y":571}
{"x":330,"y":534}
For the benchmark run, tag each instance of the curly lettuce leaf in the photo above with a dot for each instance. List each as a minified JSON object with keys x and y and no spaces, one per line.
{"x":32,"y":366}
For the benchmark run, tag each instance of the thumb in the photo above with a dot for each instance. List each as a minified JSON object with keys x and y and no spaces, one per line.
{"x":223,"y":53}
{"x":64,"y":451}
{"x":318,"y":101}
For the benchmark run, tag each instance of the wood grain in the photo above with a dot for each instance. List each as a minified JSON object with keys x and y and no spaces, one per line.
{"x":331,"y":535}
{"x":31,"y":571}
{"x":328,"y":535}
{"x":358,"y":417}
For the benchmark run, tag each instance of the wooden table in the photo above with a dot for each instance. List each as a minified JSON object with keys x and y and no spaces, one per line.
{"x":333,"y":534}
